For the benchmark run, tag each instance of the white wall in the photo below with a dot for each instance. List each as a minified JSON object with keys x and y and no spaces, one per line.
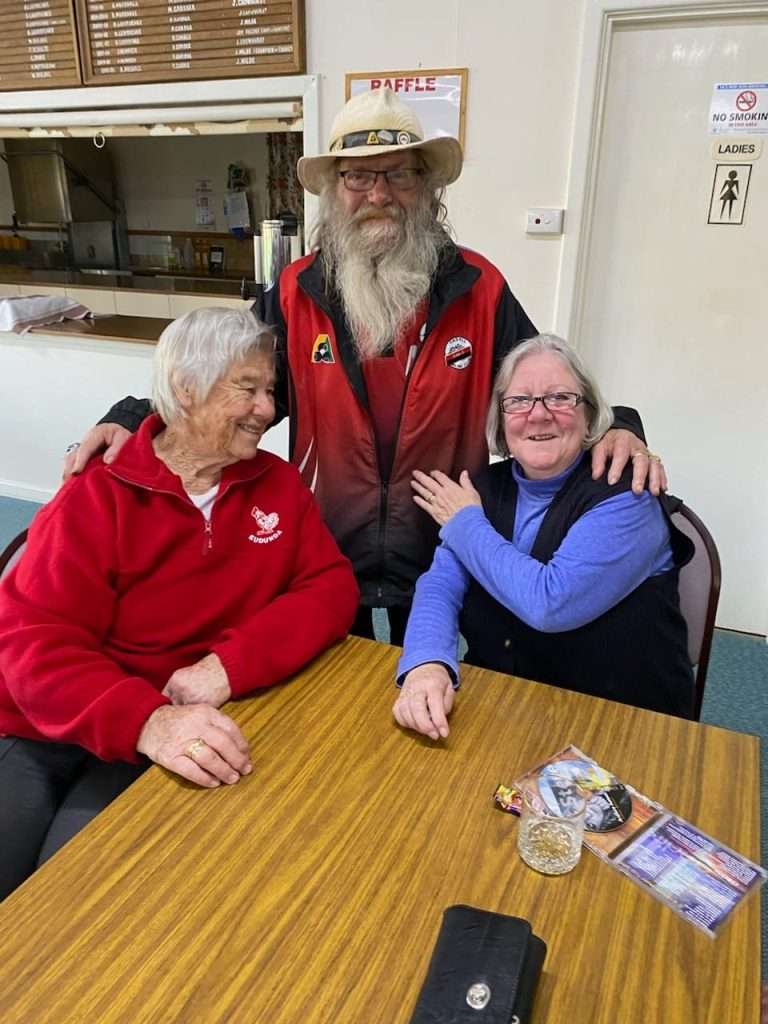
{"x":54,"y":389}
{"x":523,"y":64}
{"x":157,"y":177}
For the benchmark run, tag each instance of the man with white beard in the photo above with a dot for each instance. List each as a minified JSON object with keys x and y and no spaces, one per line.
{"x":391,"y":335}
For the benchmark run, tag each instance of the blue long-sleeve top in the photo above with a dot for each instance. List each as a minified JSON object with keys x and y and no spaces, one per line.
{"x":606,"y":554}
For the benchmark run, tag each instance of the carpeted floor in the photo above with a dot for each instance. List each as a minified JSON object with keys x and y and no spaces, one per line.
{"x":736,"y":696}
{"x":14,"y":517}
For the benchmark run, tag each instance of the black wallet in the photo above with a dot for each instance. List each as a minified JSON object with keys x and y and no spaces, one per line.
{"x":484,"y":970}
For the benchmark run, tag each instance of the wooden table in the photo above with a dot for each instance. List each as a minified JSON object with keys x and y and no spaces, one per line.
{"x":312,"y":891}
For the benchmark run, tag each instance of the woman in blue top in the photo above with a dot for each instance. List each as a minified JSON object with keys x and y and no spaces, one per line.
{"x":548,"y":573}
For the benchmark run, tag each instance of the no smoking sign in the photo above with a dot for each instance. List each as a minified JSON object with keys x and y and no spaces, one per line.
{"x":739,"y":108}
{"x":746,"y":100}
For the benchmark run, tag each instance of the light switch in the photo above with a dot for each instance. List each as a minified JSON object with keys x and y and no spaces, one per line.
{"x":544,"y":222}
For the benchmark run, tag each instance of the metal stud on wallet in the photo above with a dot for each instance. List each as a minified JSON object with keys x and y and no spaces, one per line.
{"x":484,"y":970}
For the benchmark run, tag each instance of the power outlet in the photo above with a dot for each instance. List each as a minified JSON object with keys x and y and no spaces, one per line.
{"x":544,"y":222}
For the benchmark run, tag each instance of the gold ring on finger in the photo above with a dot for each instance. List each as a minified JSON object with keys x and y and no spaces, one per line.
{"x":195,"y":747}
{"x":653,"y":456}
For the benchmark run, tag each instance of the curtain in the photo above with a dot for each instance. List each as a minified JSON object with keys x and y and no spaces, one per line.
{"x":283,"y":189}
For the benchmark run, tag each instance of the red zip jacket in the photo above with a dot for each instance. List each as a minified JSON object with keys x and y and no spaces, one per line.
{"x":473,"y":320}
{"x":123,"y":582}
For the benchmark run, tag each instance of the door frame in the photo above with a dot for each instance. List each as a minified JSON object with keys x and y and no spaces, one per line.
{"x":601,"y":19}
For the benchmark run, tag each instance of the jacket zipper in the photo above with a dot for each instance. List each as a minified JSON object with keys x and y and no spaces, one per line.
{"x":207,"y":535}
{"x":384,"y":496}
{"x":207,"y":527}
{"x":385,"y":482}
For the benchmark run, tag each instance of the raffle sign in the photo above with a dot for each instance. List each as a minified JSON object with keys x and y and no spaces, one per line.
{"x":739,"y":108}
{"x":438,"y":97}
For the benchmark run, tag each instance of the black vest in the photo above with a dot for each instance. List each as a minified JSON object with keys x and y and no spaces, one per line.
{"x":636,"y":652}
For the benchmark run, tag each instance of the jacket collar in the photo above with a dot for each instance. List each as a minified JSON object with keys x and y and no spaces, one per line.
{"x":453,"y":278}
{"x":313,"y":283}
{"x":137,"y":463}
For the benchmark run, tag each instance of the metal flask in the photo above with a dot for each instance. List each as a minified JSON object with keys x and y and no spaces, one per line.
{"x":275,"y":251}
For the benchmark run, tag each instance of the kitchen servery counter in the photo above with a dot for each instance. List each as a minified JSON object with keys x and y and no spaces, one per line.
{"x":143,"y":329}
{"x":164,"y":283}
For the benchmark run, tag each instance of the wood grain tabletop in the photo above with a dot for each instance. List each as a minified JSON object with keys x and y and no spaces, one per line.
{"x":312,"y":891}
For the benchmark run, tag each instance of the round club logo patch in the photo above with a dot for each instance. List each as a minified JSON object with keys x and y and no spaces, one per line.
{"x":386,"y":137}
{"x":403,"y":138}
{"x":458,"y":353}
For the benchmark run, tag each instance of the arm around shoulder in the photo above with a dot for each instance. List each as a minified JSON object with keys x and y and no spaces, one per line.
{"x":129,"y":412}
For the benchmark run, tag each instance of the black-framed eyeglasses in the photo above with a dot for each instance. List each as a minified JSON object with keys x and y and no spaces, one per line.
{"x":555,"y":401}
{"x":404,"y":178}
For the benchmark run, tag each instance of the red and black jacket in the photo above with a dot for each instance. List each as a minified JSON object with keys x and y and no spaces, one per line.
{"x":472,"y":321}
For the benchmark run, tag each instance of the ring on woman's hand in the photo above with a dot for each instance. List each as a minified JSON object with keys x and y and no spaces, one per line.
{"x":72,"y":447}
{"x":195,"y":747}
{"x":653,"y":456}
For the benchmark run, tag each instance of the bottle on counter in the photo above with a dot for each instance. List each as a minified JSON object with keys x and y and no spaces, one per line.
{"x":189,"y":255}
{"x":205,"y":255}
{"x":216,"y":259}
{"x":198,"y":253}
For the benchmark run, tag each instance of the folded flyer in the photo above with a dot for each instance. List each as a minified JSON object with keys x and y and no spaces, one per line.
{"x":696,"y":876}
{"x":691,"y":872}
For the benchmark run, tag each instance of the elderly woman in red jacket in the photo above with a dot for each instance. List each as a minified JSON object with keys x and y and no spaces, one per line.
{"x":192,"y":569}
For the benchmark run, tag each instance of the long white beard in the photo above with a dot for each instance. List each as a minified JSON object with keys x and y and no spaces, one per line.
{"x":381,"y":262}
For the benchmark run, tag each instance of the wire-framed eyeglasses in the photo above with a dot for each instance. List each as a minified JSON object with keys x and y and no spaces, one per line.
{"x":403,"y":178}
{"x":555,"y":401}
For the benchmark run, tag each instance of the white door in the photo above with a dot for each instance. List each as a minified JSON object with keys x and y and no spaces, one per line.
{"x":673,"y":312}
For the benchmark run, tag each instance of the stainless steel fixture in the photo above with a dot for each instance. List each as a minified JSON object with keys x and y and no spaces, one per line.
{"x":275,"y":251}
{"x":68,"y":185}
{"x":60,"y":181}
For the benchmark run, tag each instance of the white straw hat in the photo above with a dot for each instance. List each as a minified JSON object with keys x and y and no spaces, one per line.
{"x":374,"y":123}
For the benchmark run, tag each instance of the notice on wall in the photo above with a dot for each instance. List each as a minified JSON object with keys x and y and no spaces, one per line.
{"x":39,"y":45}
{"x":204,"y":213}
{"x":150,"y":41}
{"x":438,"y":97}
{"x":729,"y":194}
{"x":739,"y":108}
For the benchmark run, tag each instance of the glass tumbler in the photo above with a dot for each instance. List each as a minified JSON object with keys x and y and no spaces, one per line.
{"x":549,"y":840}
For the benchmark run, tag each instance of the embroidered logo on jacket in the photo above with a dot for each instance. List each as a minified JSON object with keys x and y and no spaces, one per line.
{"x":267,"y":526}
{"x":321,"y":350}
{"x":458,"y":353}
